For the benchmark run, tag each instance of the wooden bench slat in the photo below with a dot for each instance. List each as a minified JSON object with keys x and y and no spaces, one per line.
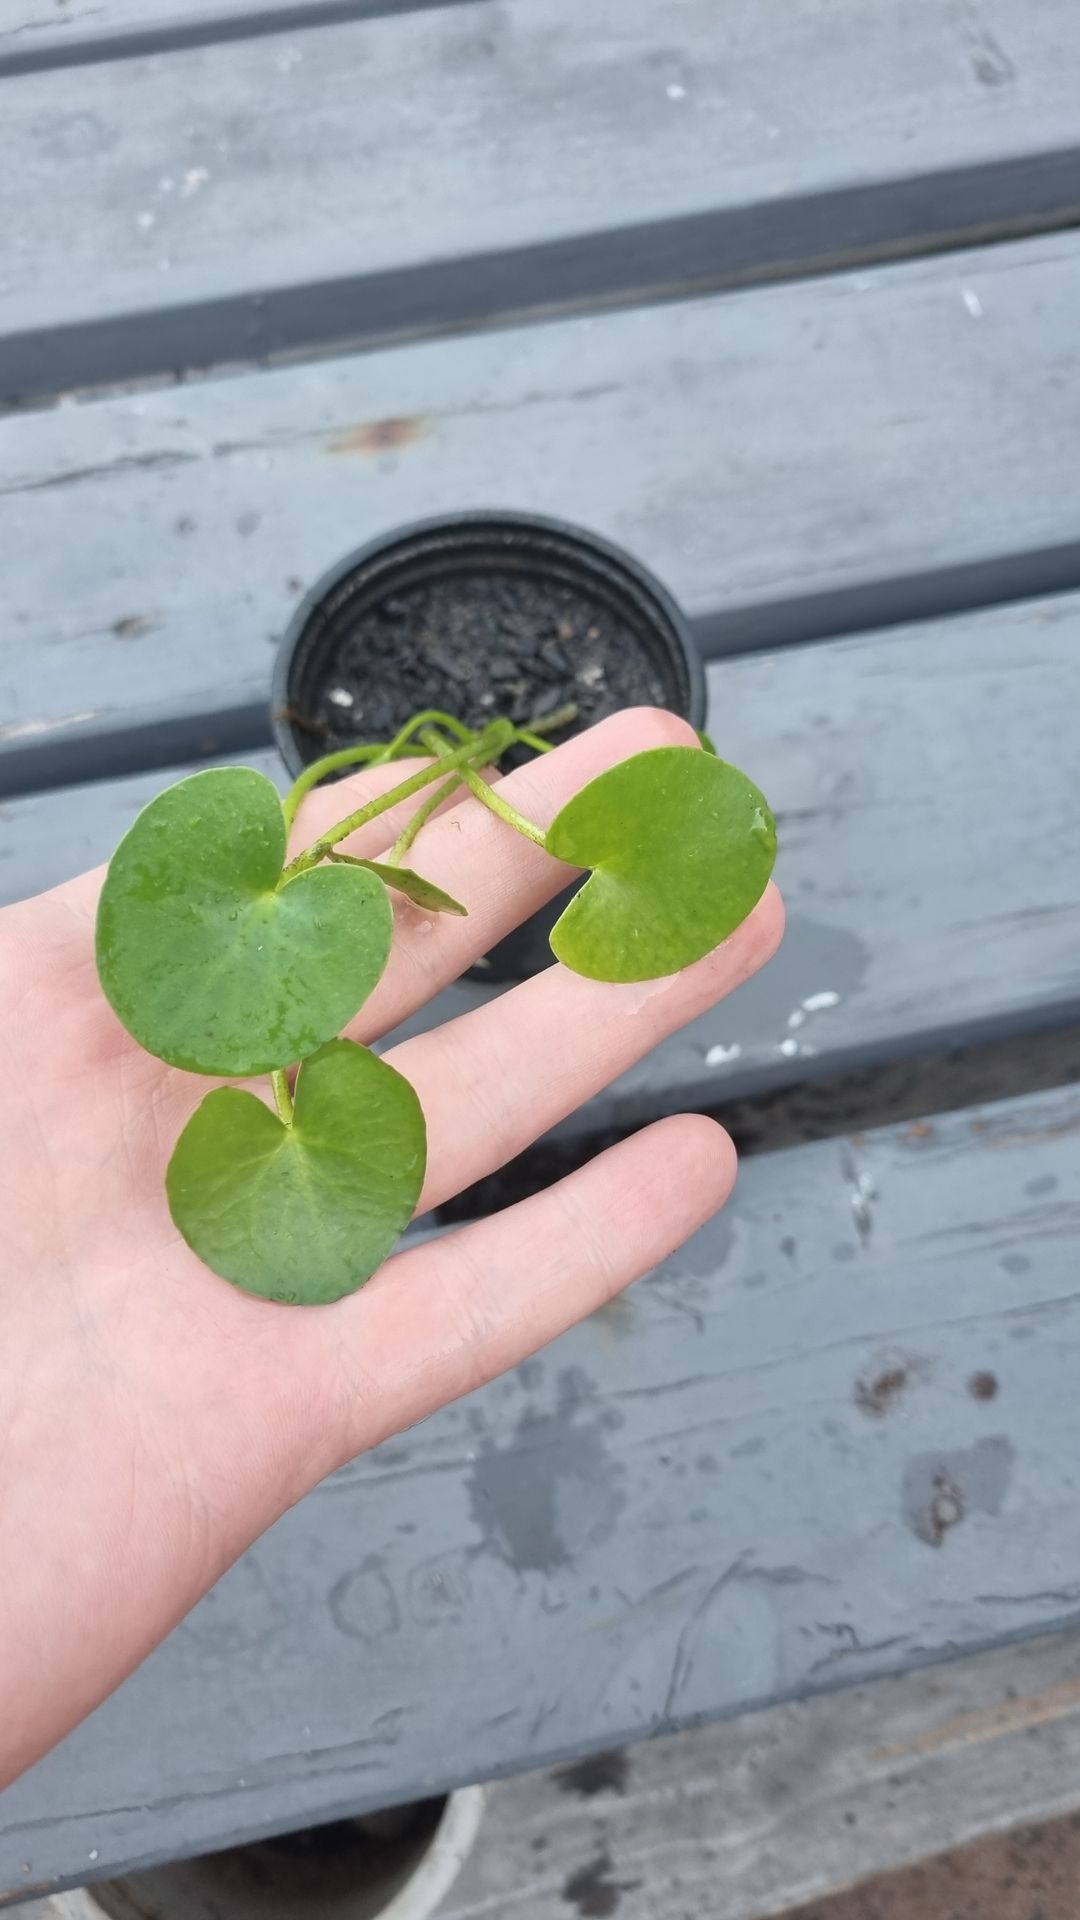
{"x":766,"y":1472}
{"x":758,"y":1814}
{"x":396,"y":142}
{"x":761,"y":1814}
{"x":757,"y":449}
{"x":930,"y":850}
{"x":40,"y":35}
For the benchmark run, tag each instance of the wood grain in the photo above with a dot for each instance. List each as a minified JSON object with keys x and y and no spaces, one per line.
{"x":756,"y":450}
{"x":764,"y":1473}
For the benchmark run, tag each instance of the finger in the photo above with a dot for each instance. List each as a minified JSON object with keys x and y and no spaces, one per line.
{"x":443,"y":1318}
{"x":492,"y":1081}
{"x":499,"y":876}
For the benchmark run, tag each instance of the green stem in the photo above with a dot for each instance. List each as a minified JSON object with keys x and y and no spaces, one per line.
{"x":551,"y":722}
{"x":354,"y":756}
{"x":404,"y":736}
{"x":497,"y":805}
{"x":484,"y":746}
{"x":487,"y":794}
{"x":432,"y":716}
{"x":420,"y":819}
{"x":279,"y":1080}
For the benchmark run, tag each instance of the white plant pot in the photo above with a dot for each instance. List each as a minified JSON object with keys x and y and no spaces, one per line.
{"x":336,"y":1874}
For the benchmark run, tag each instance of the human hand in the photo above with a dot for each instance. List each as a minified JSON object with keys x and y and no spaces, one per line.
{"x":153,"y":1420}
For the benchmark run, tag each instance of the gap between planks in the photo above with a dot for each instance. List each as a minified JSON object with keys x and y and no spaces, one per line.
{"x":138,"y":43}
{"x":691,"y":256}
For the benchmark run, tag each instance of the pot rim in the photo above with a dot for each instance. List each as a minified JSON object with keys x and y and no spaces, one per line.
{"x":436,"y":1870}
{"x":678,"y":630}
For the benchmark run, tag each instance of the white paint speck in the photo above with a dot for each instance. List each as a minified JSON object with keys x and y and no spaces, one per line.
{"x":719,"y":1056}
{"x":796,"y":1018}
{"x":820,"y":1002}
{"x":286,"y":58}
{"x":862,"y":283}
{"x":194,"y":179}
{"x":972,"y":302}
{"x":862,"y":1192}
{"x":674,"y":91}
{"x":166,"y":183}
{"x":145,"y":219}
{"x":789,"y":1048}
{"x":591,"y":675}
{"x":93,"y":1854}
{"x":341,"y":696}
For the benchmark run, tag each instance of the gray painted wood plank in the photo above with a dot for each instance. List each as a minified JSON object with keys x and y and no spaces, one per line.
{"x":929,"y":850}
{"x":739,"y":1820}
{"x":79,"y":20}
{"x":757,"y":450}
{"x":37,"y":38}
{"x":391,"y":142}
{"x":764,"y":1473}
{"x":50,"y":837}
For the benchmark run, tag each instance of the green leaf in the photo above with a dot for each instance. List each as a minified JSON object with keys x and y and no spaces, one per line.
{"x":209,"y":961}
{"x":302,"y":1213}
{"x":706,"y":743}
{"x":681,"y":846}
{"x":422,"y":893}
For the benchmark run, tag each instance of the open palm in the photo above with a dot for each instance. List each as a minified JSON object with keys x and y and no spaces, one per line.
{"x":153,"y":1421}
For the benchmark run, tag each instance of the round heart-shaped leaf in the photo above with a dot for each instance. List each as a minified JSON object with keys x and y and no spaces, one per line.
{"x":302,"y":1213}
{"x":208,"y":959}
{"x":681,"y":845}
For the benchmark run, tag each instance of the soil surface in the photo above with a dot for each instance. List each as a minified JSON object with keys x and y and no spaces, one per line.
{"x":480,"y":646}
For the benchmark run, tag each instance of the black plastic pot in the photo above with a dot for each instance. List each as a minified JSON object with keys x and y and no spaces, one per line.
{"x":466,"y":547}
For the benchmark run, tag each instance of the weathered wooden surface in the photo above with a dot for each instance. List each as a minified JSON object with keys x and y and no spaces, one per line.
{"x":836,"y":1437}
{"x":738,"y":1821}
{"x":497,"y":128}
{"x":735,"y":1821}
{"x":38,"y":36}
{"x":987,"y":45}
{"x":757,"y":450}
{"x":896,"y":763}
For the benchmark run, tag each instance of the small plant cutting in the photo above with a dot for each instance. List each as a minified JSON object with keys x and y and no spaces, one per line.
{"x":223,"y":957}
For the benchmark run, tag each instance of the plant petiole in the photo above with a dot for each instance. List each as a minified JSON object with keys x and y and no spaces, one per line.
{"x":279,"y":1080}
{"x":497,"y":805}
{"x":483,"y":746}
{"x":549,"y":723}
{"x":493,"y":801}
{"x":420,"y":819}
{"x":366,"y":754}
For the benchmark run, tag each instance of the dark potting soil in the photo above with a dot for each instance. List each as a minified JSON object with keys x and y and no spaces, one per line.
{"x":480,"y":646}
